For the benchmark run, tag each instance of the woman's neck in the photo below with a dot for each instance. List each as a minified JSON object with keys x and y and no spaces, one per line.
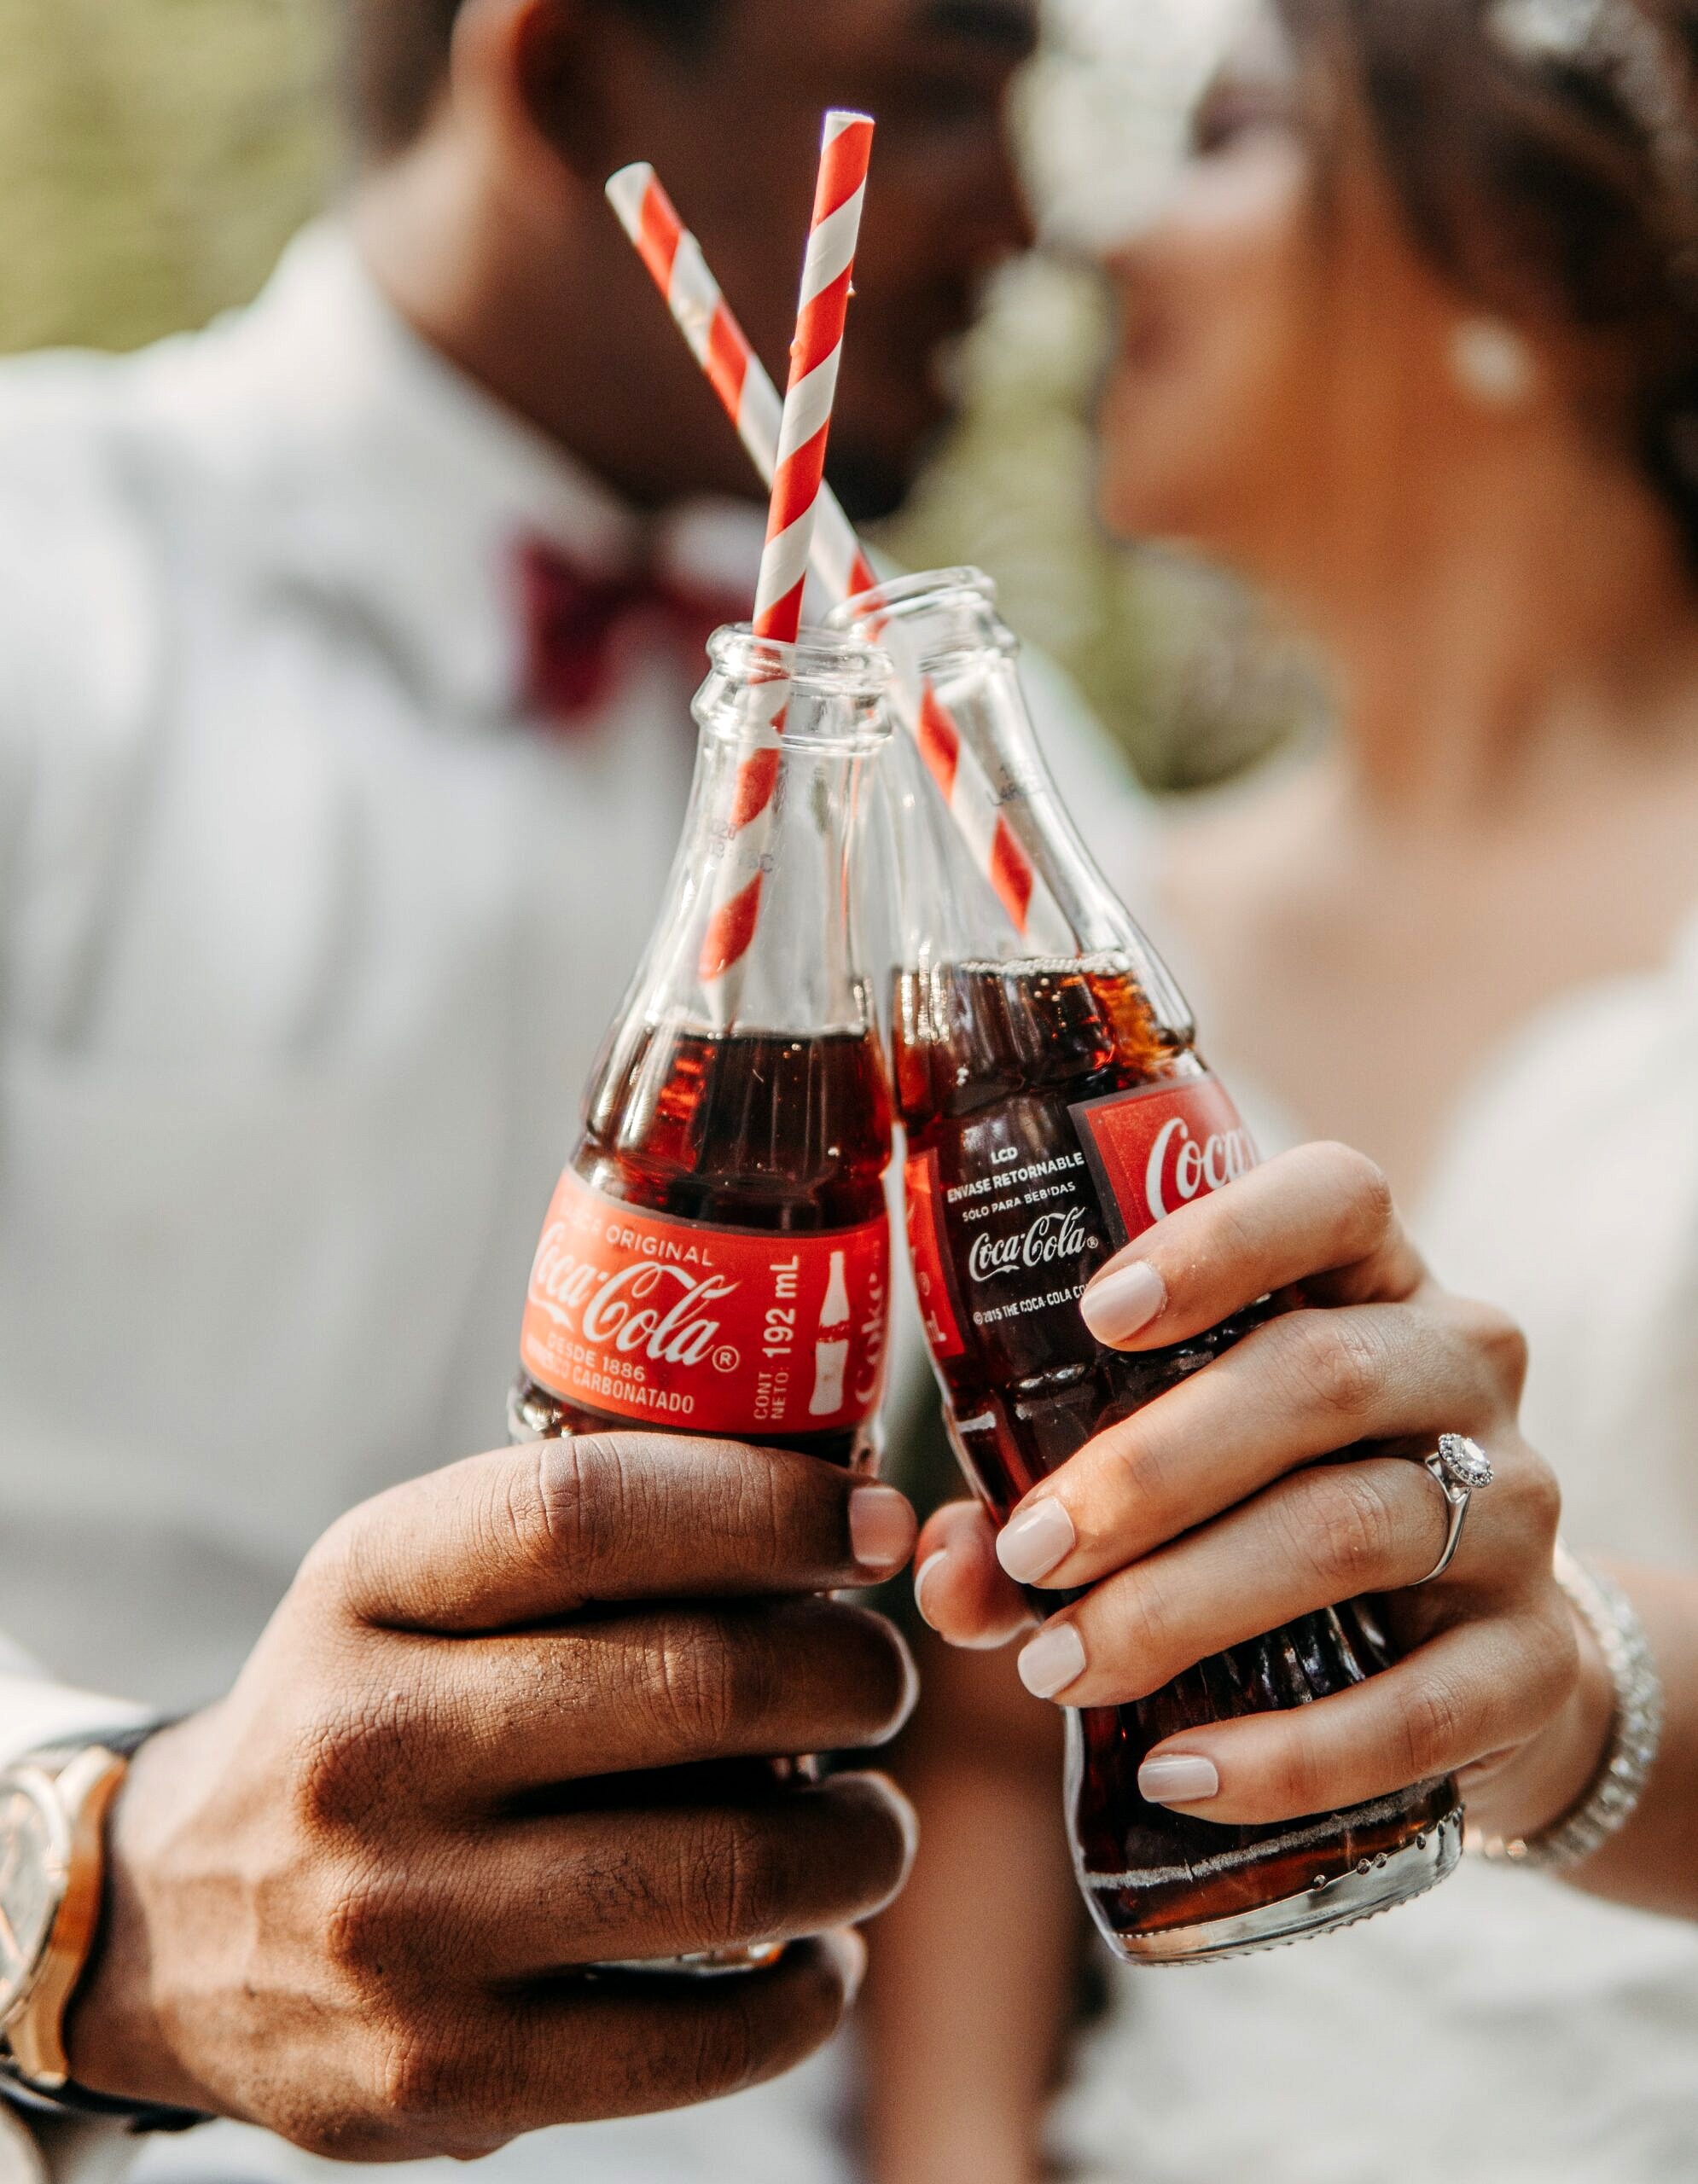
{"x":1512,"y":642}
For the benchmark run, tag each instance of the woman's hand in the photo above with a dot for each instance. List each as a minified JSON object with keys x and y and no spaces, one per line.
{"x":1215,"y":1515}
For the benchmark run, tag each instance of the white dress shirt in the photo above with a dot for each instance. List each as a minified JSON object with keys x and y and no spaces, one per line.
{"x":310,"y":940}
{"x":308,"y":935}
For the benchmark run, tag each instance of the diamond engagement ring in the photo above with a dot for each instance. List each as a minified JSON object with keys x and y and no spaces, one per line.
{"x":1462,"y":1468}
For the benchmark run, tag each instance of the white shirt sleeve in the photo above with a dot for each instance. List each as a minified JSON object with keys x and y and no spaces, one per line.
{"x":55,"y":703}
{"x":35,"y":1711}
{"x":60,"y":700}
{"x":81,"y":632}
{"x":73,"y":2149}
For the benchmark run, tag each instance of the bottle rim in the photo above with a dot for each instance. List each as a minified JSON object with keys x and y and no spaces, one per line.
{"x":927,"y":588}
{"x":958,"y":607}
{"x":828,"y":663}
{"x":839,"y":685}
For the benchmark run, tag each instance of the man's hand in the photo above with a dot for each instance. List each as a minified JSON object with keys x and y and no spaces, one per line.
{"x":347,"y":1902}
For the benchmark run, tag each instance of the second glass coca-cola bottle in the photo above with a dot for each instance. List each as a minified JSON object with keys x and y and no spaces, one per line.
{"x":1055,"y":1107}
{"x":716,"y":1261}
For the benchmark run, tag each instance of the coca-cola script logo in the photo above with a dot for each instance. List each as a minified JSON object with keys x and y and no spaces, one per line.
{"x":635,"y":1314}
{"x":659,"y":1311}
{"x":1182,"y":1167}
{"x":1062,"y":1234}
{"x":1162,"y":1146}
{"x":874,"y":1334}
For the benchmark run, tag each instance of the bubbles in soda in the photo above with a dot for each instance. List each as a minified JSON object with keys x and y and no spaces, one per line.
{"x":774,"y":1134}
{"x":1051,"y":1118}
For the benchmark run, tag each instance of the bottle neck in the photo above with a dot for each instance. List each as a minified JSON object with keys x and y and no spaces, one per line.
{"x":761,"y":930}
{"x":804,"y":967}
{"x":974,"y":797}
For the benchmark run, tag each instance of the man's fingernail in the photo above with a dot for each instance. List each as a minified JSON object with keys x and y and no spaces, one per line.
{"x":910,"y":1826}
{"x":881,"y":1527}
{"x":1183,"y":1779}
{"x":921,"y":1576}
{"x":1121,"y":1304}
{"x":1036,"y":1542}
{"x":1053,"y":1659}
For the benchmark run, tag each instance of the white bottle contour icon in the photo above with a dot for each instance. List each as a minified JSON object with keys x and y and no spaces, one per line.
{"x":831,"y":1352}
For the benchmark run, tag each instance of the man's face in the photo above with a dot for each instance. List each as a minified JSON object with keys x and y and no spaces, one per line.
{"x":735,"y":131}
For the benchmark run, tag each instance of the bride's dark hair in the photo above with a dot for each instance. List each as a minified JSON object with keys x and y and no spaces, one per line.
{"x":1546,"y":154}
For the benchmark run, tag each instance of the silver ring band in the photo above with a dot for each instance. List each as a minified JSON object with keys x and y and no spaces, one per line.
{"x":1462,"y":1468}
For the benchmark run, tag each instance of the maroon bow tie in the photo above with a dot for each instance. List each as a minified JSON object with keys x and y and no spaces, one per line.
{"x":576,"y":621}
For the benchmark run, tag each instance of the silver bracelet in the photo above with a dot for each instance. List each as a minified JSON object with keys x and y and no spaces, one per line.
{"x":1636,"y":1732}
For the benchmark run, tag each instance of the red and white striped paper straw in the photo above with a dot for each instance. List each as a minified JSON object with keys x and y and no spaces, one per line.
{"x":816,"y":359}
{"x":679,"y":270}
{"x":803,"y":434}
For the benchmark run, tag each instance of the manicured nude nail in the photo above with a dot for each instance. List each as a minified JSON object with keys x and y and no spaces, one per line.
{"x":1036,"y":1542}
{"x":1121,"y":1304}
{"x":881,"y":1527}
{"x":1183,"y":1780}
{"x":1053,"y":1659}
{"x":921,"y":1576}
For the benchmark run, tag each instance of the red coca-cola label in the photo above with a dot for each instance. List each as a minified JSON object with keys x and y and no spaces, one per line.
{"x":939,"y":1309}
{"x":1003,"y":1233}
{"x":1155,"y":1150}
{"x":1011,"y":1218}
{"x":705,"y":1329}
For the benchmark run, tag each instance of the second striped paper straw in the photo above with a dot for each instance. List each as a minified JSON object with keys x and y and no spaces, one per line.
{"x":679,"y":268}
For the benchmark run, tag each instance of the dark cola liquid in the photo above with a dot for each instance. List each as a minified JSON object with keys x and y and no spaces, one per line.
{"x":777,"y":1136}
{"x":997,"y":1068}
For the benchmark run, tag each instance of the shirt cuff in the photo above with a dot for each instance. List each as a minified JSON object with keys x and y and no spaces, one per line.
{"x":70,"y":2149}
{"x":34,"y":1712}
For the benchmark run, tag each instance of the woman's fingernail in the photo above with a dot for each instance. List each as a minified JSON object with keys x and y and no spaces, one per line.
{"x":1121,"y":1304}
{"x":921,"y":1577}
{"x":882,"y":1527}
{"x":1053,"y":1659}
{"x":1181,"y":1780}
{"x":1036,"y":1542}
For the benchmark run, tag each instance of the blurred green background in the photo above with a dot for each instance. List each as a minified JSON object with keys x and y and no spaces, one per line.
{"x":155,"y":154}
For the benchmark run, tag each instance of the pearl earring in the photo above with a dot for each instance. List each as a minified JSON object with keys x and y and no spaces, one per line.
{"x":1492,"y":364}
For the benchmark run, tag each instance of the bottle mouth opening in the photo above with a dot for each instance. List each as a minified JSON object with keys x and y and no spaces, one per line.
{"x":925,"y":593}
{"x":942,"y":615}
{"x":829,"y":689}
{"x":826,"y":663}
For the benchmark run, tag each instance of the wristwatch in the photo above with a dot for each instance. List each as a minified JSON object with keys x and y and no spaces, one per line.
{"x":53,"y":1810}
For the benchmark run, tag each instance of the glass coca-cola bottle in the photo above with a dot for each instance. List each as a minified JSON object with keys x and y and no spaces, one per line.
{"x":717,"y":1258}
{"x":1055,"y":1107}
